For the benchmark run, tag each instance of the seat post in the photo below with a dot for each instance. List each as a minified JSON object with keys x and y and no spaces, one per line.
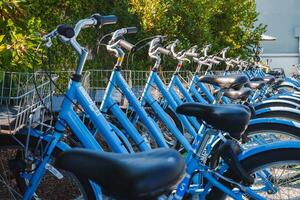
{"x":220,"y":93}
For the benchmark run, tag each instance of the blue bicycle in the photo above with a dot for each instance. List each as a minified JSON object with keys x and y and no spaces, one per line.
{"x":28,"y":156}
{"x":263,"y":126}
{"x":216,"y":165}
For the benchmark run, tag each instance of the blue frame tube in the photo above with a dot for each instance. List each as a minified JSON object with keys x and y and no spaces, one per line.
{"x":116,"y":79}
{"x":37,"y":177}
{"x":166,"y":120}
{"x":76,"y":91}
{"x":176,"y":82}
{"x":204,"y":89}
{"x":133,"y":101}
{"x":155,"y":79}
{"x":130,"y":129}
{"x":194,"y":91}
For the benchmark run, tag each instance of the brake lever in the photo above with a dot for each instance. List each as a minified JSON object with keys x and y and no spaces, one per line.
{"x":118,"y":33}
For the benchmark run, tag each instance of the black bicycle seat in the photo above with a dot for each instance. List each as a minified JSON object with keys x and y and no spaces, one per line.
{"x":240,"y":94}
{"x":231,"y":118}
{"x":256,"y":85}
{"x":143,"y":175}
{"x":225,"y":82}
{"x":267,"y":79}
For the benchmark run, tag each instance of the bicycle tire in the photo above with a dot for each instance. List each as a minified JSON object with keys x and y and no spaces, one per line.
{"x":280,"y":114}
{"x":172,"y":115}
{"x":294,"y":99}
{"x":258,"y":161}
{"x":276,"y":104}
{"x":288,"y":88}
{"x":271,"y":127}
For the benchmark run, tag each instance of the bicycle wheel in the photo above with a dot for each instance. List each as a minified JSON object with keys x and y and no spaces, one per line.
{"x":289,"y":114}
{"x":288,"y":88}
{"x":262,"y":133}
{"x":169,"y":137}
{"x":113,"y":122}
{"x":13,"y":164}
{"x":272,"y":166}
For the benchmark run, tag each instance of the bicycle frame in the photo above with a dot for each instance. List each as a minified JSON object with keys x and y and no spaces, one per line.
{"x":108,"y":103}
{"x":154,"y":79}
{"x":175,"y":82}
{"x":67,"y":116}
{"x":193,"y":165}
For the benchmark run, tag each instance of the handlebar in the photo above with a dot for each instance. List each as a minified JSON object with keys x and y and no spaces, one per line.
{"x":105,"y":20}
{"x":68,"y":35}
{"x":211,"y":60}
{"x":120,"y":32}
{"x":96,"y":20}
{"x":218,"y":58}
{"x":115,"y":43}
{"x":180,"y":56}
{"x":235,"y":61}
{"x":192,"y":54}
{"x":224,"y":51}
{"x":155,"y":43}
{"x":68,"y":32}
{"x":164,"y":51}
{"x":172,"y":48}
{"x":131,"y":30}
{"x":126,"y":45}
{"x":206,"y":49}
{"x":202,"y":61}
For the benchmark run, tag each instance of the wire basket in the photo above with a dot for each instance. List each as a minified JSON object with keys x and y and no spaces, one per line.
{"x":23,"y":94}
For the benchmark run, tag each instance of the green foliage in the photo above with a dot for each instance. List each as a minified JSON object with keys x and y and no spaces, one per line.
{"x":221,"y":23}
{"x":217,"y":22}
{"x":18,"y":37}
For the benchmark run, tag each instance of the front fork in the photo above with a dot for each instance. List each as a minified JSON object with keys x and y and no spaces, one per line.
{"x":36,"y":178}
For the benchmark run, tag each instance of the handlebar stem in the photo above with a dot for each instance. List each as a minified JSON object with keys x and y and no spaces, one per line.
{"x":116,"y":49}
{"x":81,"y":62}
{"x":153,"y":53}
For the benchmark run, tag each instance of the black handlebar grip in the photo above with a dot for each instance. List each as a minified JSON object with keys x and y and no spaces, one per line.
{"x":104,"y":20}
{"x":192,"y":54}
{"x":126,"y":45}
{"x":164,"y":51}
{"x":66,"y":31}
{"x":131,"y":30}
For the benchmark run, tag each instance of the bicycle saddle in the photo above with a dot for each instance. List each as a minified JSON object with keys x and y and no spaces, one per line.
{"x":256,"y":84}
{"x":225,"y":82}
{"x":267,"y":79}
{"x":231,"y":118}
{"x":242,"y":93}
{"x":143,"y":175}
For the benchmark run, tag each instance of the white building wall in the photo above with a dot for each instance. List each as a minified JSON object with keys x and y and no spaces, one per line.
{"x":285,"y":61}
{"x":283,"y":20}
